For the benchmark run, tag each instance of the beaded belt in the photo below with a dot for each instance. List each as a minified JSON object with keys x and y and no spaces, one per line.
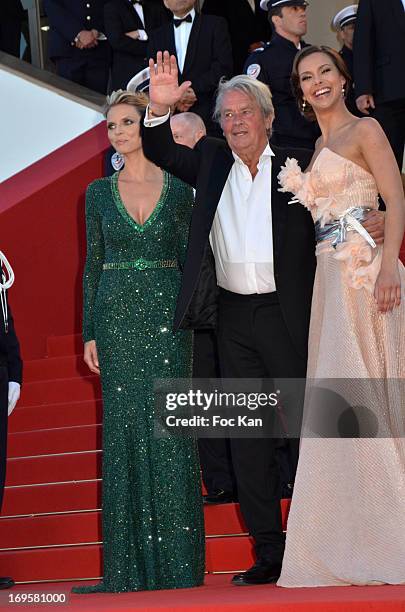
{"x":348,"y":221}
{"x":141,"y":264}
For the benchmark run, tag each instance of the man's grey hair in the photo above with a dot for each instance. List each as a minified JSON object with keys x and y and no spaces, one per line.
{"x":246,"y":84}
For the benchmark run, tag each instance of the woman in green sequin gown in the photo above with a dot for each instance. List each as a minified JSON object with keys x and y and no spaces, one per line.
{"x":153,"y":529}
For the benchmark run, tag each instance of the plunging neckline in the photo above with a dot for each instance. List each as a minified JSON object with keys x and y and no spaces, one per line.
{"x":341,"y":157}
{"x":140,"y":227}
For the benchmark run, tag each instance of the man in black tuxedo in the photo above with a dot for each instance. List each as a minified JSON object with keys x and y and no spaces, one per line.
{"x":10,"y":381}
{"x":261,"y":264}
{"x":127,"y":26}
{"x":77,"y":41}
{"x":379,"y":77}
{"x":11,"y":16}
{"x":202,"y":47}
{"x":248,"y":26}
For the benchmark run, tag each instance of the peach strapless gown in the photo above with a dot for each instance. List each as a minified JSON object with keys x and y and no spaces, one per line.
{"x":347,"y":519}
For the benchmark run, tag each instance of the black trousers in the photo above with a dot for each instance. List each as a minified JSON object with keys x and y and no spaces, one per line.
{"x":91,"y":73}
{"x":391,"y":116}
{"x":215,"y":453}
{"x":3,"y":427}
{"x":254,"y":342}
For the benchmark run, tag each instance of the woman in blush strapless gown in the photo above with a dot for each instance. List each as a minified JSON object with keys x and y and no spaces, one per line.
{"x":347,"y":518}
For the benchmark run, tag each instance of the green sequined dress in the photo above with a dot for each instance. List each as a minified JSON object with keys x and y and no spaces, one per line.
{"x":153,"y":529}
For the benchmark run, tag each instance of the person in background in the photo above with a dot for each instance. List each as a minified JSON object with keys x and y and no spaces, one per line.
{"x":215,"y":455}
{"x":248,"y":26}
{"x":77,"y":42}
{"x":127,"y":24}
{"x":187,"y":129}
{"x":273,"y":65}
{"x":10,"y":376}
{"x":203,"y":50}
{"x":344,"y":22}
{"x":11,"y":17}
{"x":379,"y":76}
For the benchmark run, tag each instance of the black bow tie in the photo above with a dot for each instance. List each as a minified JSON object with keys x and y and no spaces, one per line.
{"x":133,"y":2}
{"x":178,"y":22}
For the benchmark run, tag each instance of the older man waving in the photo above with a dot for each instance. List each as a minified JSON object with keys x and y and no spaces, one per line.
{"x":250,"y":265}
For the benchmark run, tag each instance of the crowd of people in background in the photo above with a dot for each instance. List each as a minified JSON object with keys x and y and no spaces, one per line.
{"x":102,"y":44}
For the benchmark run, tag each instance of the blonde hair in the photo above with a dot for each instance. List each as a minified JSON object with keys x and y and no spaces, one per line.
{"x":138,"y":100}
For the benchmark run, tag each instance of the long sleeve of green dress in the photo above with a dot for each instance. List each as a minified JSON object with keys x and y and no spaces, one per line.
{"x":94,"y":261}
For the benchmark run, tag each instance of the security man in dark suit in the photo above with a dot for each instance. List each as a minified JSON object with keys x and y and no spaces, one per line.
{"x":127,"y":25}
{"x":379,"y":76}
{"x":248,"y":26}
{"x":77,"y":41}
{"x":11,"y":16}
{"x":344,"y":23}
{"x":273,"y":65}
{"x":10,"y":381}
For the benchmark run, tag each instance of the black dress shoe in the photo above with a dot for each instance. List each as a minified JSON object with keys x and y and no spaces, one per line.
{"x":6,"y":583}
{"x":262,"y":572}
{"x":219,"y":497}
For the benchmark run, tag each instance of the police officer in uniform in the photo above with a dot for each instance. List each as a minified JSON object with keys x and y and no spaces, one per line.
{"x":77,"y":41}
{"x":10,"y":377}
{"x":379,"y":76}
{"x":344,"y":23}
{"x":273,"y":65}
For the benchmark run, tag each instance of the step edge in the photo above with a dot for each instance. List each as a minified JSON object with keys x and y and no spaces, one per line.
{"x":97,"y":543}
{"x":34,"y":515}
{"x":48,"y":429}
{"x":48,"y":546}
{"x":86,"y":452}
{"x":57,"y":482}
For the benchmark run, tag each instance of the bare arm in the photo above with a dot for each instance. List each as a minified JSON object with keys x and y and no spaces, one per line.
{"x":378,"y":155}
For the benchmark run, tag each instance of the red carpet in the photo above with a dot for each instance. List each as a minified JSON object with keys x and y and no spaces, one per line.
{"x":217,"y":595}
{"x":50,"y":528}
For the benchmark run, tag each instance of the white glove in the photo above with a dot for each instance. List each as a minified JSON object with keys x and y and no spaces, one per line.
{"x":13,"y":395}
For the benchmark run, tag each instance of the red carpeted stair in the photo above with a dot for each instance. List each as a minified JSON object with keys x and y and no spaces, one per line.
{"x":50,"y":527}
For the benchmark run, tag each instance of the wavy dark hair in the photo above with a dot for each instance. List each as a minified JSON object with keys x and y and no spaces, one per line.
{"x":338,"y":61}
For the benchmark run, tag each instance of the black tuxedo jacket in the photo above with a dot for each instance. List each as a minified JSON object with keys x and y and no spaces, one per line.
{"x":208,"y":58}
{"x":12,"y":8}
{"x":129,"y":56}
{"x":207,"y":168}
{"x":245,"y":26}
{"x":10,"y":349}
{"x":379,"y":50}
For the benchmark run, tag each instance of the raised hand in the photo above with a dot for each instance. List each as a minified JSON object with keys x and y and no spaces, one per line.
{"x":164,"y":88}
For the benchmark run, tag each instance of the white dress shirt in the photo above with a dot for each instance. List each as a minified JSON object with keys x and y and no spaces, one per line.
{"x":139,"y":10}
{"x":403,"y":2}
{"x":241,"y":236}
{"x":253,"y":6}
{"x":181,"y":38}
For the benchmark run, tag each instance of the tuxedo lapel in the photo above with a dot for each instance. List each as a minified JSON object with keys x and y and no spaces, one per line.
{"x":192,"y":44}
{"x":221,"y":166}
{"x":171,"y":43}
{"x":133,"y":16}
{"x":278,"y":204}
{"x":399,"y":13}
